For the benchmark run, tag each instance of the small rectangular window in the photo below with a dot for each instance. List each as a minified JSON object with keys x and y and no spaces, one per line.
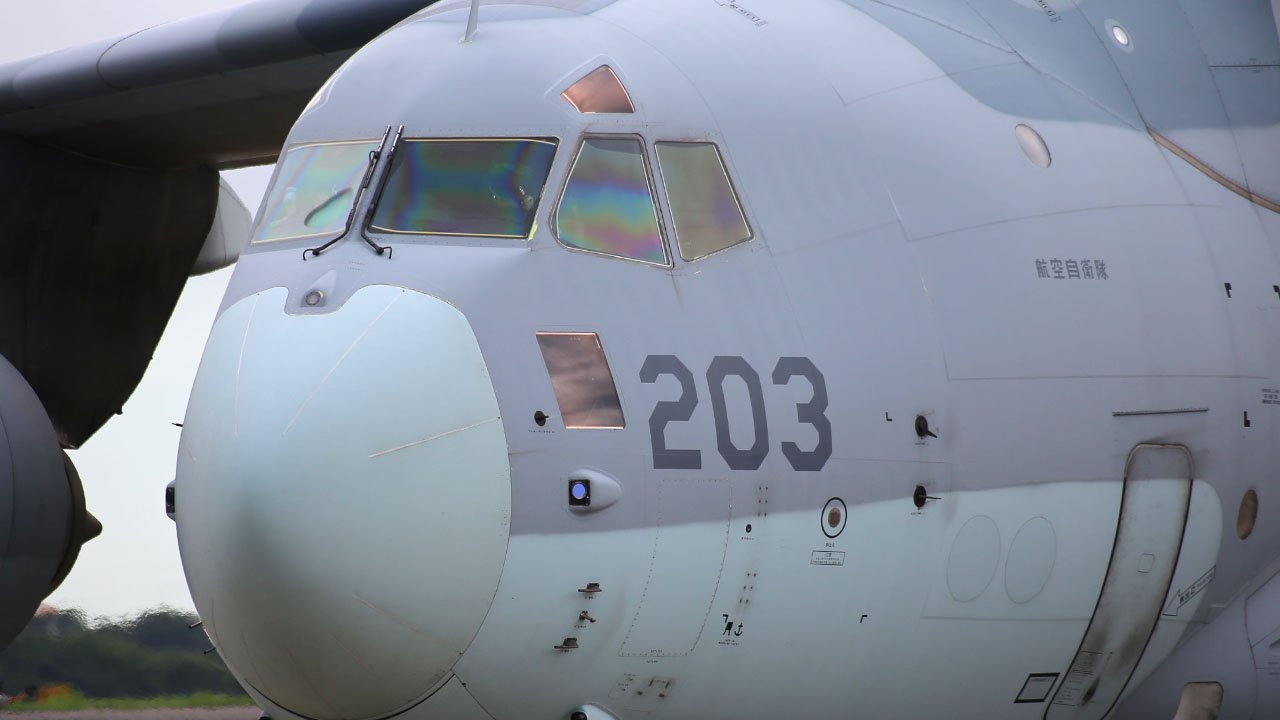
{"x":313,"y":191}
{"x":581,"y":380}
{"x":706,"y":212}
{"x":599,"y":91}
{"x":472,"y":188}
{"x":608,"y":204}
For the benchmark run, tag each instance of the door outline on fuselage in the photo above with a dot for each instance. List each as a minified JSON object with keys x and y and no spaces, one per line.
{"x":1163,"y":474}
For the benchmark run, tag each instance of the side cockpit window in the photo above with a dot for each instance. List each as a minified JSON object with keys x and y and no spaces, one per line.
{"x":470,"y":188}
{"x":704,"y":207}
{"x":581,"y":380}
{"x":314,"y":190}
{"x":608,"y":205}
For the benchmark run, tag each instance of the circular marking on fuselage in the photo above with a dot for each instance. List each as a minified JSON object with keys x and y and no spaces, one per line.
{"x":1032,"y":556}
{"x":834,"y":515}
{"x":975,"y":557}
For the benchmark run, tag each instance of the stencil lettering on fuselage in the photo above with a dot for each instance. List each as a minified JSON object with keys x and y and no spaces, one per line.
{"x":684,"y":571}
{"x":1154,"y":311}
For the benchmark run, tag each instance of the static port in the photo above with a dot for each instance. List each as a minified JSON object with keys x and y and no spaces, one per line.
{"x":834,"y":515}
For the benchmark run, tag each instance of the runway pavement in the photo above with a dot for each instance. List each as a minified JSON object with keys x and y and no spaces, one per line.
{"x":232,"y":713}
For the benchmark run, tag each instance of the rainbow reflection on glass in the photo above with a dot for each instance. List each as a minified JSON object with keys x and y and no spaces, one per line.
{"x":473,"y":188}
{"x":704,"y":208}
{"x":607,"y":206}
{"x":313,"y":190}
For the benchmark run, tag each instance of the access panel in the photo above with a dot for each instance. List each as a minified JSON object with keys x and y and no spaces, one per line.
{"x":1153,"y":515}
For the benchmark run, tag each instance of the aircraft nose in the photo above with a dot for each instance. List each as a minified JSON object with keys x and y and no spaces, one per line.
{"x":343,"y":498}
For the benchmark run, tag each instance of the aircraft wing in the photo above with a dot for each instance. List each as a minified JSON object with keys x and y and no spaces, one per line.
{"x":219,"y":89}
{"x":109,"y":190}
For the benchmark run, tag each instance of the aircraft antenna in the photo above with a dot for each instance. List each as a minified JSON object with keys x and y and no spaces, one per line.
{"x":472,"y":21}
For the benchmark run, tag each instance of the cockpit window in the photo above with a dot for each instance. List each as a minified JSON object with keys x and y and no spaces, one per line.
{"x":704,"y":208}
{"x":469,"y":187}
{"x":608,"y":204}
{"x":314,"y":190}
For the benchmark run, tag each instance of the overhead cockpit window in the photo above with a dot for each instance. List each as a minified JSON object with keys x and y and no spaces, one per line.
{"x":314,"y":190}
{"x":581,"y":380}
{"x":704,"y":208}
{"x":608,"y":204}
{"x":599,"y":91}
{"x":472,"y":187}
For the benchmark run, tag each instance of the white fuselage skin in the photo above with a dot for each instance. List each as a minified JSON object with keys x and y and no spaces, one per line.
{"x":373,"y":524}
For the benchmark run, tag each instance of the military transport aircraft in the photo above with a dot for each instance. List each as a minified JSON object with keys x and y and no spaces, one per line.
{"x":681,"y":358}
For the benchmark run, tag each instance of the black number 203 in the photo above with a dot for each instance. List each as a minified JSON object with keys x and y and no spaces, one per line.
{"x":681,"y":409}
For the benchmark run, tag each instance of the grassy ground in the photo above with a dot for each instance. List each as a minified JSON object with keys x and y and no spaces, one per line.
{"x":76,"y":701}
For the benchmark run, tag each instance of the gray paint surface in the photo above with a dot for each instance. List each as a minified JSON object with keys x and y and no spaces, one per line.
{"x":898,"y":224}
{"x":899,"y":233}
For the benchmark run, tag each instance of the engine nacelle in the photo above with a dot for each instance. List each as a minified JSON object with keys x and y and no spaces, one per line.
{"x":43,"y":521}
{"x":232,"y":226}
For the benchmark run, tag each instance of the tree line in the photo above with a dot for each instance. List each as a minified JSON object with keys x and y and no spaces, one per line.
{"x":153,"y":654}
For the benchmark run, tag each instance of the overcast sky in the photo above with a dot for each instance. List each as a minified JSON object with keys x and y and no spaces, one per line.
{"x":134,"y":565}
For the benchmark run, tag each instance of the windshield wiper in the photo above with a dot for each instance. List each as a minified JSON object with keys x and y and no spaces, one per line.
{"x":377,"y":194}
{"x":374,"y":156}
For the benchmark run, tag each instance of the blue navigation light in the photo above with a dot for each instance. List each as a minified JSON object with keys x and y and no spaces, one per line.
{"x":579,"y":492}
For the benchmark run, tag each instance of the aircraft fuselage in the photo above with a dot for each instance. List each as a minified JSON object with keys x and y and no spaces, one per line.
{"x":963,"y":429}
